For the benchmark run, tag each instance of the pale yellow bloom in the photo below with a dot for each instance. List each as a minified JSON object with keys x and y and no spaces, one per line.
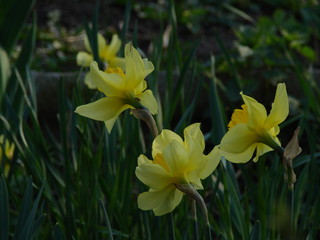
{"x":7,"y":150}
{"x":107,"y":54}
{"x":251,"y":130}
{"x":174,"y":162}
{"x":123,"y":90}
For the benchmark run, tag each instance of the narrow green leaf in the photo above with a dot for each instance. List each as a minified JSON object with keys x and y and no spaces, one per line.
{"x":4,"y":209}
{"x":5,"y":71}
{"x":28,"y":46}
{"x":26,"y":232}
{"x":255,"y":232}
{"x":57,"y":233}
{"x":105,"y":214}
{"x":13,"y":22}
{"x":24,"y":210}
{"x":217,"y":114}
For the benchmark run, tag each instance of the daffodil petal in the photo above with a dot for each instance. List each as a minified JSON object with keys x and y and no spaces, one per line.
{"x":110,"y":84}
{"x":84,"y":59}
{"x":163,"y":140}
{"x":101,"y":43}
{"x":242,"y":157}
{"x":136,"y":68}
{"x":153,"y":175}
{"x":148,"y":100}
{"x":113,"y":47}
{"x":211,"y":162}
{"x":193,"y":178}
{"x":103,"y":109}
{"x":257,"y":113}
{"x":88,"y":81}
{"x":176,"y":157}
{"x":172,"y":200}
{"x":143,"y":159}
{"x":118,"y":62}
{"x":261,"y":149}
{"x":109,"y":123}
{"x":193,"y":139}
{"x":237,"y":144}
{"x":280,"y":107}
{"x":161,"y":202}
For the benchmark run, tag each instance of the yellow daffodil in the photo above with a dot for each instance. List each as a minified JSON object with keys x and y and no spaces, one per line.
{"x":107,"y":54}
{"x":175,"y":163}
{"x":123,"y":90}
{"x":251,"y":130}
{"x":7,"y":149}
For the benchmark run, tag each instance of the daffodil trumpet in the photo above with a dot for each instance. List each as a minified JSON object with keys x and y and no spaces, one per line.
{"x":122,"y":90}
{"x":107,"y":54}
{"x":176,"y":169}
{"x":252,"y":131}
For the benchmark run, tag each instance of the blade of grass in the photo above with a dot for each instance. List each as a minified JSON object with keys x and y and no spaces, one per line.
{"x":4,"y":209}
{"x":58,"y":233}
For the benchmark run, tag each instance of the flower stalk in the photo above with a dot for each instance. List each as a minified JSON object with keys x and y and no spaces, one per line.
{"x":145,"y":115}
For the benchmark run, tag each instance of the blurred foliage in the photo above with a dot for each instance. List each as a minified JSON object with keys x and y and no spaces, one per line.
{"x":82,"y":183}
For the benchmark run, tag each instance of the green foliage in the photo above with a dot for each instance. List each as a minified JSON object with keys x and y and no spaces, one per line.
{"x":83,"y":183}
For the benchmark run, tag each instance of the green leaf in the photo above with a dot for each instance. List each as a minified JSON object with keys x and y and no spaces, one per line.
{"x":4,"y":206}
{"x":28,"y":47}
{"x":28,"y":226}
{"x":13,"y":22}
{"x":255,"y":232}
{"x":57,"y":233}
{"x":5,"y":71}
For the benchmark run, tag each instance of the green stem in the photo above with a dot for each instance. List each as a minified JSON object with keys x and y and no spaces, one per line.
{"x":291,"y":207}
{"x":145,"y":115}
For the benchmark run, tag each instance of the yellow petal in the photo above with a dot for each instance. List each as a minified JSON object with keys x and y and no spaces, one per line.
{"x":280,"y":107}
{"x":261,"y":149}
{"x":113,"y":48}
{"x":111,"y":84}
{"x":84,"y":59}
{"x":9,"y":149}
{"x":193,"y":139}
{"x":101,"y":44}
{"x":257,"y":113}
{"x":118,"y":62}
{"x":148,"y":100}
{"x":103,"y":109}
{"x":109,"y":123}
{"x":136,"y":67}
{"x":161,"y":202}
{"x":88,"y":81}
{"x":211,"y":162}
{"x":163,"y":140}
{"x":143,"y":159}
{"x":239,"y":143}
{"x":193,"y":178}
{"x":177,"y":158}
{"x":153,"y":175}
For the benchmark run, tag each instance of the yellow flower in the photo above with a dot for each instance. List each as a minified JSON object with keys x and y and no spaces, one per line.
{"x":107,"y":54}
{"x":6,"y":149}
{"x":123,"y":90}
{"x":175,"y":162}
{"x":252,"y":131}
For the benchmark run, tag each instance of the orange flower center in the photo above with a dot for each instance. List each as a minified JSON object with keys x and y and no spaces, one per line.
{"x":116,"y":70}
{"x":239,"y":116}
